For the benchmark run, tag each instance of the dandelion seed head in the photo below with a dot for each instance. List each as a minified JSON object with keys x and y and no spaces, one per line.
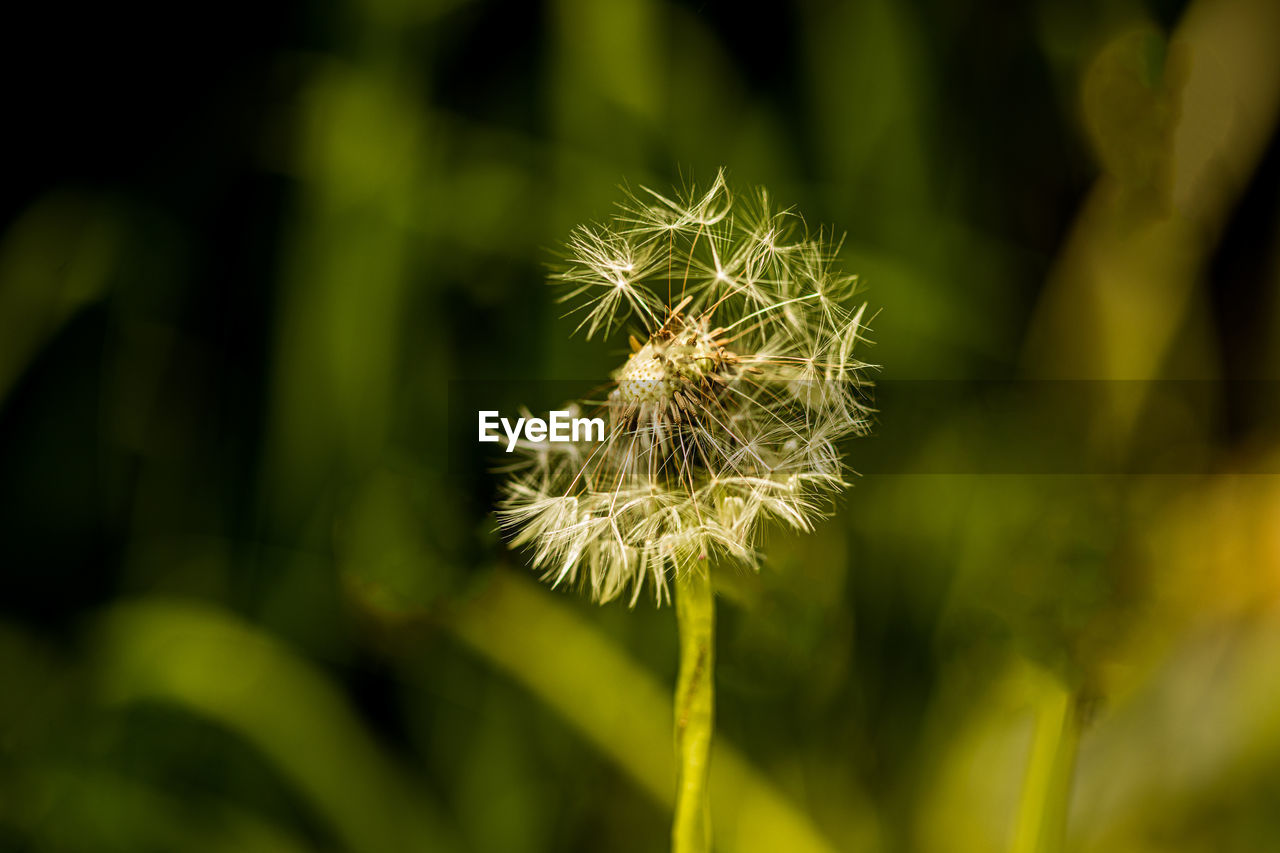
{"x":727,"y":414}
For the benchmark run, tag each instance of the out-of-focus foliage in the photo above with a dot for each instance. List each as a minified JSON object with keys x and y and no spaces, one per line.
{"x":250,"y":593}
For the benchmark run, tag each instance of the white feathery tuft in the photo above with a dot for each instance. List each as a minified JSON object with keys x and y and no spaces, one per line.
{"x":728,"y":412}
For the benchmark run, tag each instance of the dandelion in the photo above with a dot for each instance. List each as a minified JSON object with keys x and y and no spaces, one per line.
{"x":725,"y":417}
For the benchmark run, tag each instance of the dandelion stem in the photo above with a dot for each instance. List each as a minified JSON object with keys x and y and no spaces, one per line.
{"x":694,"y":710}
{"x":1046,"y":792}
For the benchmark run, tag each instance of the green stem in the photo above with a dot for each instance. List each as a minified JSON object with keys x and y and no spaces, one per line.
{"x":694,"y":710}
{"x":1046,"y":793}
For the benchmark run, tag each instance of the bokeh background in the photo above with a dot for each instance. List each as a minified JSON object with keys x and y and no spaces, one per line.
{"x":251,"y":597}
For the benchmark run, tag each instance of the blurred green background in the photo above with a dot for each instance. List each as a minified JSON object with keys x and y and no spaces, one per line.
{"x":248,"y":601}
